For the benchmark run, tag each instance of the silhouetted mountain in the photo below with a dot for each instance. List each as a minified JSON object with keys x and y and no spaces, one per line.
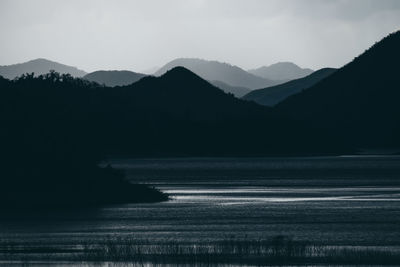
{"x":114,"y":77}
{"x":273,"y":95}
{"x":217,"y":71}
{"x":38,"y":66}
{"x":282,"y":71}
{"x":358,"y":103}
{"x":235,"y":90}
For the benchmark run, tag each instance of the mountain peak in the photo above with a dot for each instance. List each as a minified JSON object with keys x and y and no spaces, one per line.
{"x":179,"y":70}
{"x":40,"y":59}
{"x":182,"y":75}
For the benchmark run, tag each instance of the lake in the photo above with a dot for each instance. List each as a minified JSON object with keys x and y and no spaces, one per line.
{"x":331,"y":201}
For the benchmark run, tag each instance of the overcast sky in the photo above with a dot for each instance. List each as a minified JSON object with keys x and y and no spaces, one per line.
{"x":136,"y":35}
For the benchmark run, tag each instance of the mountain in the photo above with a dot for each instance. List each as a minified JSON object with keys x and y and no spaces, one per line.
{"x":114,"y":77}
{"x":282,"y":71}
{"x":273,"y":95}
{"x":235,"y":90}
{"x":359,"y":103}
{"x":38,"y":66}
{"x":217,"y":71}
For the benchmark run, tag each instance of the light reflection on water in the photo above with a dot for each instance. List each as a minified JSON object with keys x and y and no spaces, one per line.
{"x":236,"y":196}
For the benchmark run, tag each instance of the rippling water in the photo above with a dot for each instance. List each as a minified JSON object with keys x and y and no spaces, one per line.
{"x":324,"y":200}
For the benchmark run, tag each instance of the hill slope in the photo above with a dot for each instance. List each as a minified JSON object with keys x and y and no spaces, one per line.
{"x":38,"y":66}
{"x":217,"y":71}
{"x":273,"y":95}
{"x":359,"y":102}
{"x":281,"y":71}
{"x":237,"y":91}
{"x":113,"y":77}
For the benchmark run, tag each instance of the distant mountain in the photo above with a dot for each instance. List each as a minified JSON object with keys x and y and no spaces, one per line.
{"x":114,"y":77}
{"x":38,"y":66}
{"x":273,"y":95}
{"x":235,"y":90}
{"x":358,"y":103}
{"x":217,"y":71}
{"x":282,"y":71}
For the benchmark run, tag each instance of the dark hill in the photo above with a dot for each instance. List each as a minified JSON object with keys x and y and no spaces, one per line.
{"x":49,"y":151}
{"x":359,"y":102}
{"x":38,"y":66}
{"x":273,"y":95}
{"x":114,"y":77}
{"x":217,"y":71}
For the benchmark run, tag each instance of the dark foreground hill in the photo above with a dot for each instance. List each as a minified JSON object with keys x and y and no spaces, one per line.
{"x":359,"y":103}
{"x":114,"y":77}
{"x":273,"y":95}
{"x":218,"y":71}
{"x":38,"y":66}
{"x":49,"y":158}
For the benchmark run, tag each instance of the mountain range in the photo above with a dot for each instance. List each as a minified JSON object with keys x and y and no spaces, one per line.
{"x":229,"y":78}
{"x":57,"y":122}
{"x":355,"y":105}
{"x":281,"y":71}
{"x":38,"y":66}
{"x":273,"y":95}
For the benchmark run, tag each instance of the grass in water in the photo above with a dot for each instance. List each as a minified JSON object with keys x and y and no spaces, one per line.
{"x":274,"y":251}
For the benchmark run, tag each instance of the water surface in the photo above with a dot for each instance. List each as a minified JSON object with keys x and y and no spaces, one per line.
{"x":339,"y":201}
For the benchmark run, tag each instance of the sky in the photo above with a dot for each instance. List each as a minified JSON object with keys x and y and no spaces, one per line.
{"x":139,"y":35}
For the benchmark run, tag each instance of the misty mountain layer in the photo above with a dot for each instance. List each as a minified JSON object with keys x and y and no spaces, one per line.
{"x":273,"y":95}
{"x":38,"y":66}
{"x":217,"y":71}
